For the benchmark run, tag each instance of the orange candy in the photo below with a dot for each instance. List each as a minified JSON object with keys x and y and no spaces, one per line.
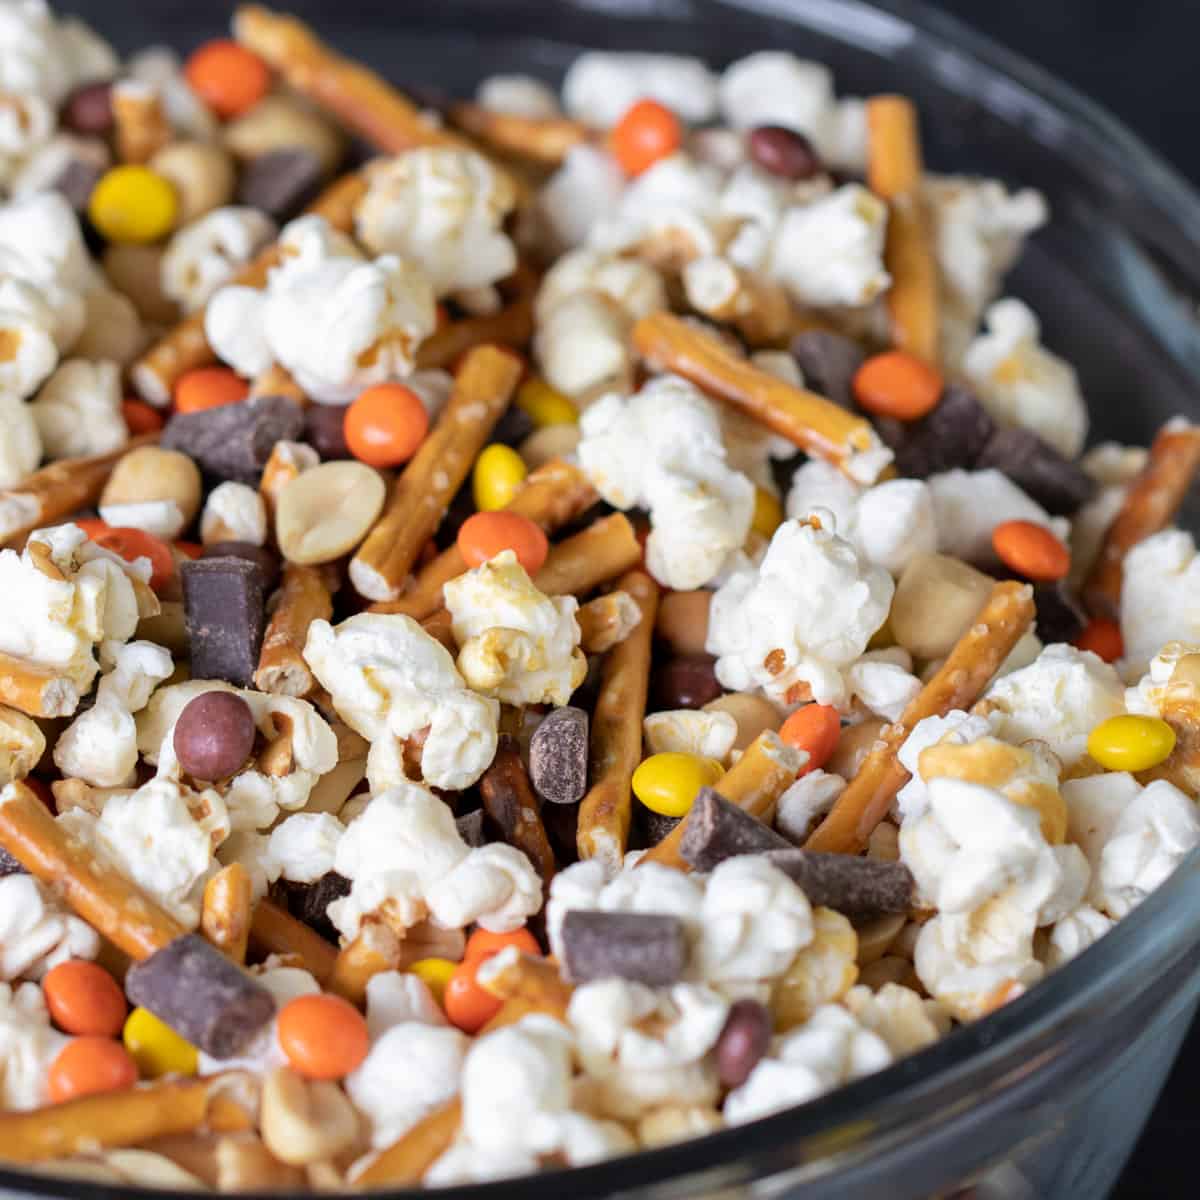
{"x":485,"y":534}
{"x":209,"y":387}
{"x":229,"y":78}
{"x":385,"y":425}
{"x":468,"y":1005}
{"x":896,"y":384}
{"x":482,"y":944}
{"x":84,"y":999}
{"x":130,"y":543}
{"x":1031,"y":550}
{"x":1102,"y":637}
{"x":140,"y":417}
{"x":89,"y":1065}
{"x":647,"y":132}
{"x":815,"y":728}
{"x":323,"y":1036}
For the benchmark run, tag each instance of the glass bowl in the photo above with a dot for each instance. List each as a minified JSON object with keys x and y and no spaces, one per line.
{"x":1047,"y":1096}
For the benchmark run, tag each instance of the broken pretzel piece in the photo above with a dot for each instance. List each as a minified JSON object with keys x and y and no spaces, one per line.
{"x":302,"y":599}
{"x":225,"y":913}
{"x":273,"y":930}
{"x":544,"y":140}
{"x":607,"y":621}
{"x":36,"y":691}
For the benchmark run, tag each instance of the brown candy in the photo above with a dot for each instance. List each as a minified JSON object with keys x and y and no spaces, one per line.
{"x":470,"y":827}
{"x":1060,"y":486}
{"x":687,"y":682}
{"x":952,"y":435}
{"x":234,"y":441}
{"x":281,"y":182}
{"x":558,"y":756}
{"x":88,"y":110}
{"x":743,"y":1042}
{"x":783,"y":152}
{"x":214,"y":735}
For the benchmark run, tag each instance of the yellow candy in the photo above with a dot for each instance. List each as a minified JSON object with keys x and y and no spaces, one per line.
{"x":668,"y":783}
{"x":156,"y":1047}
{"x":1131,"y":743}
{"x":133,"y":204}
{"x":768,"y":513}
{"x":499,"y":471}
{"x":544,"y":405}
{"x":436,"y":974}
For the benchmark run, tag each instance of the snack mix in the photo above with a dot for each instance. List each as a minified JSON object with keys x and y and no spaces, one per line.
{"x":537,"y":628}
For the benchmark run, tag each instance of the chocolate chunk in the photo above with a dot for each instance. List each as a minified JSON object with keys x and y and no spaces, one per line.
{"x":281,"y":182}
{"x":224,"y":606}
{"x":558,"y":756}
{"x":1059,"y":618}
{"x":234,"y":441}
{"x":513,"y":427}
{"x":952,"y":435}
{"x":783,"y":152}
{"x":856,"y":887}
{"x":828,"y":362}
{"x":9,"y":865}
{"x":470,"y":827}
{"x":717,"y":829}
{"x":649,"y":827}
{"x":76,"y":181}
{"x":308,"y":902}
{"x":562,"y":825}
{"x":264,"y":556}
{"x":648,"y":948}
{"x":204,"y":997}
{"x":324,"y":427}
{"x":88,"y":110}
{"x":743,"y":1042}
{"x":687,"y":682}
{"x":1057,"y":484}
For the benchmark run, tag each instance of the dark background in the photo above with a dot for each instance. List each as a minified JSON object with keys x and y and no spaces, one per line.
{"x":1140,"y":61}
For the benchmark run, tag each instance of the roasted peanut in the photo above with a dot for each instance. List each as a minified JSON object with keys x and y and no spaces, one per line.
{"x":326,"y":511}
{"x":554,"y":441}
{"x":203,"y":176}
{"x":305,"y":1121}
{"x":753,"y":714}
{"x":150,"y":475}
{"x":136,"y":272}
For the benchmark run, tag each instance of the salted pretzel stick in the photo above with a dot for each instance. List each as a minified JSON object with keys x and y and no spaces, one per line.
{"x":130,"y":1117}
{"x":975,"y":658}
{"x":225,"y":912}
{"x":813,"y":423}
{"x":754,"y":783}
{"x":526,"y":985}
{"x":551,"y":496}
{"x":589,"y":558}
{"x":543,"y":139}
{"x":303,"y":598}
{"x":894,"y":173}
{"x":101,"y":895}
{"x":273,"y":930}
{"x":185,"y":347}
{"x":36,"y":691}
{"x":1151,"y":502}
{"x":57,"y":490}
{"x":375,"y":949}
{"x":607,"y":621}
{"x":509,"y":800}
{"x":419,"y":498}
{"x":616,"y":746}
{"x":511,"y":326}
{"x":407,"y":1159}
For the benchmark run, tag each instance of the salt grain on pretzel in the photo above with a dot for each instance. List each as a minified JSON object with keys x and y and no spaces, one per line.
{"x":616,"y":746}
{"x":302,"y":599}
{"x":959,"y":682}
{"x":544,"y":140}
{"x":509,"y":801}
{"x":274,"y":930}
{"x":894,"y":173}
{"x":225,"y":912}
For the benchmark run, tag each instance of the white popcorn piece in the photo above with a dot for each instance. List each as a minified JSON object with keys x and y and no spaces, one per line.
{"x":1095,"y":804}
{"x":78,"y":410}
{"x":635,"y":286}
{"x":1058,"y":699}
{"x":234,"y":512}
{"x":582,"y":345}
{"x":28,"y":1045}
{"x":1159,"y":596}
{"x":690,"y":731}
{"x":883,"y":682}
{"x":442,"y":209}
{"x":905,"y":1021}
{"x":1021,"y":383}
{"x":400,"y":997}
{"x":38,"y":931}
{"x":517,"y":96}
{"x":205,"y":255}
{"x":22,"y":744}
{"x":661,"y":449}
{"x":515,"y":644}
{"x":27,"y":332}
{"x":584,"y":190}
{"x":303,"y":847}
{"x":161,"y":67}
{"x":957,"y":728}
{"x":389,"y":679}
{"x":802,"y":617}
{"x":1073,"y":934}
{"x":467,"y":1163}
{"x":600,"y":86}
{"x":20,"y":441}
{"x":805,"y":802}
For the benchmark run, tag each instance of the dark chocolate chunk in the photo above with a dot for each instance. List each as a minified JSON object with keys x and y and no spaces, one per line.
{"x":214,"y":735}
{"x":202,"y":995}
{"x":743,"y":1041}
{"x":558,"y":756}
{"x":1060,"y":486}
{"x":562,"y":825}
{"x":308,"y":902}
{"x":513,"y":427}
{"x":76,"y":182}
{"x":325,"y":429}
{"x":234,"y":441}
{"x":855,"y":887}
{"x":88,"y":109}
{"x":281,"y":182}
{"x":828,"y":362}
{"x":9,"y":865}
{"x":717,"y":829}
{"x":264,"y":556}
{"x":1059,"y":618}
{"x":649,"y":827}
{"x":648,"y":948}
{"x":470,"y":827}
{"x":783,"y":152}
{"x":953,"y":435}
{"x":687,"y":682}
{"x":459,"y":509}
{"x":224,"y":603}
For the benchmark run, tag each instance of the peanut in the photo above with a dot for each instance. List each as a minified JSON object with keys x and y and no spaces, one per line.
{"x":203,"y":175}
{"x":136,"y":272}
{"x":325,"y":512}
{"x":554,"y":441}
{"x":683,"y":621}
{"x":753,"y":714}
{"x":148,"y":475}
{"x":305,"y":1121}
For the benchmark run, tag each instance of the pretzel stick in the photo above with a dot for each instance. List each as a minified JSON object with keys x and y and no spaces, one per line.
{"x":607,"y":621}
{"x":511,"y":326}
{"x":185,"y":347}
{"x":406,"y":1160}
{"x":36,"y":691}
{"x":57,"y":490}
{"x":754,"y":783}
{"x":509,"y":800}
{"x":225,"y":913}
{"x":127,"y":1118}
{"x":972,"y":662}
{"x":616,"y":749}
{"x":526,"y":985}
{"x":375,"y":949}
{"x":1152,"y":501}
{"x":591,"y":557}
{"x":484,"y":385}
{"x":551,"y":496}
{"x":288,"y":460}
{"x":894,"y":172}
{"x":813,"y":423}
{"x":543,"y":139}
{"x":99,"y":893}
{"x":274,"y":930}
{"x":303,"y":599}
{"x":140,"y":126}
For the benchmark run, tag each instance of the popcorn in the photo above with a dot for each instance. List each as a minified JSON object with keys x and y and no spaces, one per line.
{"x":37,"y":932}
{"x":635,"y":286}
{"x":905,"y":1021}
{"x":821,"y":973}
{"x":399,"y":997}
{"x":582,"y":345}
{"x":661,"y":449}
{"x":27,"y":327}
{"x":1095,"y":803}
{"x":443,"y":210}
{"x":20,"y":442}
{"x":802,"y":617}
{"x":1073,"y":934}
{"x":515,"y":643}
{"x":805,"y":802}
{"x":955,"y":728}
{"x":161,"y":67}
{"x":388,"y":679}
{"x":600,"y":86}
{"x":517,"y":95}
{"x":303,"y":847}
{"x":28,"y":1045}
{"x":234,"y":512}
{"x":883,"y":682}
{"x":78,"y":410}
{"x":1113,"y":467}
{"x":690,"y":731}
{"x":22,"y":744}
{"x":584,"y":189}
{"x":1021,"y":383}
{"x":1159,"y":586}
{"x":205,"y":255}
